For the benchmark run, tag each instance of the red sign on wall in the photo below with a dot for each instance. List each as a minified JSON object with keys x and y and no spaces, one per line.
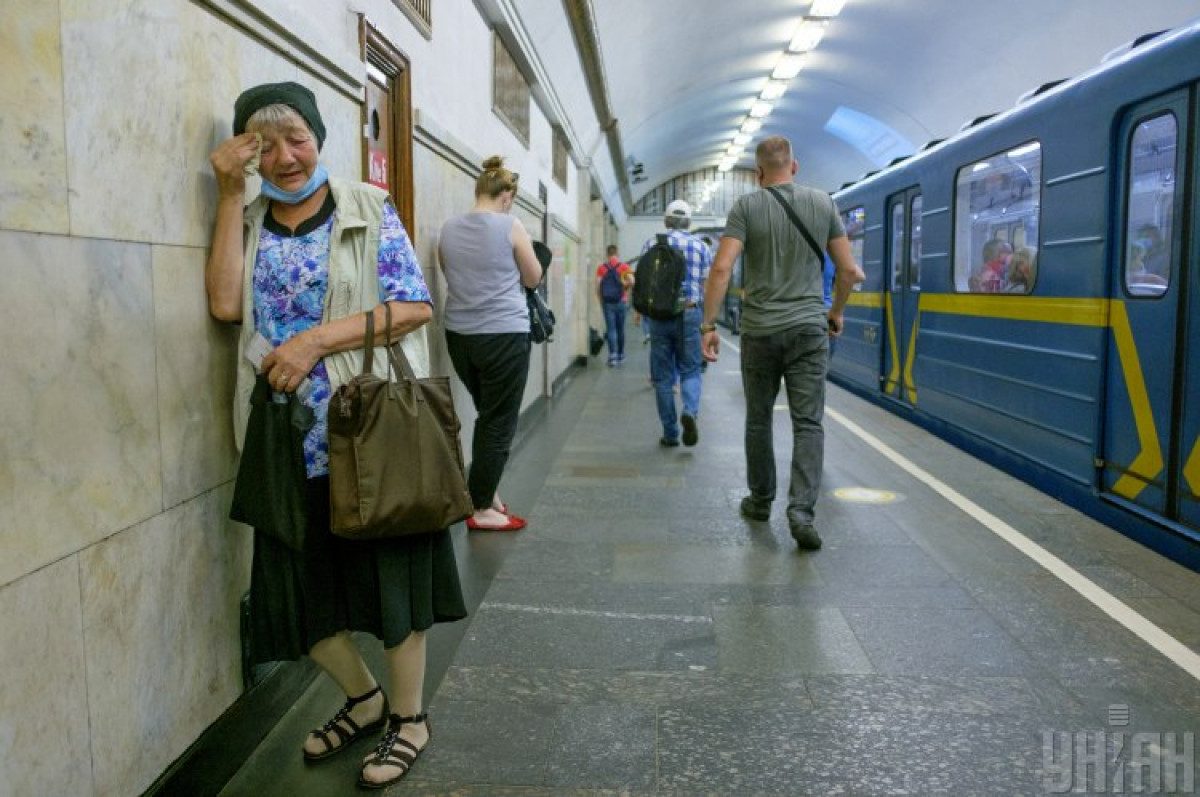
{"x":378,"y":169}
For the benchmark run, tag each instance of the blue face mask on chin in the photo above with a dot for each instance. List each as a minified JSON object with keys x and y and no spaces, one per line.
{"x":318,"y":179}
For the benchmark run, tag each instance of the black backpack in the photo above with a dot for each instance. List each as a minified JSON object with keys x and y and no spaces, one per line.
{"x":659,"y":281}
{"x":611,"y":289}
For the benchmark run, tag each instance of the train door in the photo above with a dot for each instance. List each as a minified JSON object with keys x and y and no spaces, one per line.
{"x":1152,"y":411}
{"x":1187,"y":483}
{"x":901,"y":293}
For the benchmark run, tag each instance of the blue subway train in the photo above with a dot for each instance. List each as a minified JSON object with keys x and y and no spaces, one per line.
{"x":1033,"y":290}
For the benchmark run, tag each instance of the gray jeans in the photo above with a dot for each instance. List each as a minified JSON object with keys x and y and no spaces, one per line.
{"x":798,"y":356}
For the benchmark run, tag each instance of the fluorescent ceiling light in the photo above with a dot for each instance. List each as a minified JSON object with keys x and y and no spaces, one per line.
{"x":981,"y":167}
{"x":808,"y":35}
{"x":773,"y":90}
{"x":725,"y":166}
{"x":734,"y":150}
{"x":751,"y":126}
{"x":742,"y":139}
{"x":760,"y":109}
{"x":826,"y":8}
{"x":788,"y":67}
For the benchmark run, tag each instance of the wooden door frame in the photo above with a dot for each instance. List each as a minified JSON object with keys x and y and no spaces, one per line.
{"x":382,"y":55}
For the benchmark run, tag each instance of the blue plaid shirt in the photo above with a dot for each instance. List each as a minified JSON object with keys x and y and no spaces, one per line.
{"x":698,"y":257}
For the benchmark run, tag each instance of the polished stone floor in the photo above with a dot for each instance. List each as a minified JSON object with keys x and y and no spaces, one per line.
{"x":640,"y":638}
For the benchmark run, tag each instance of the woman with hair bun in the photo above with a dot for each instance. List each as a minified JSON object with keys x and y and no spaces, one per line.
{"x":488,"y":259}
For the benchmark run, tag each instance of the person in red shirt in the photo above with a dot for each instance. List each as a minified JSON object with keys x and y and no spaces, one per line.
{"x":996,"y":254}
{"x":613,"y":280}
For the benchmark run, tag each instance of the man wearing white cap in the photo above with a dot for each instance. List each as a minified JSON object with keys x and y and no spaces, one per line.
{"x":675,"y":342}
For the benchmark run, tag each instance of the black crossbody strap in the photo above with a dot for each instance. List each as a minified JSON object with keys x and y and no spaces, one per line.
{"x":796,"y":221}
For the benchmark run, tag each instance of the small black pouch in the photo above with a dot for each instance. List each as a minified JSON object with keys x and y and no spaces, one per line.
{"x":270,"y":491}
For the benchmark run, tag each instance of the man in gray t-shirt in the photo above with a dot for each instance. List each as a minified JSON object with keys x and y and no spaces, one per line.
{"x":785,"y":325}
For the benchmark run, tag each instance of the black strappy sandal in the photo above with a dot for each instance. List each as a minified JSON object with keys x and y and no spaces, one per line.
{"x":394,"y":751}
{"x":345,"y":728}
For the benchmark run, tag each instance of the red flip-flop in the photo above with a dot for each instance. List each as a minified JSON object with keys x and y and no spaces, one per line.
{"x":514,"y":524}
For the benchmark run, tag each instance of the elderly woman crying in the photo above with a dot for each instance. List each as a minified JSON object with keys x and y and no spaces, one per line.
{"x":298,"y":267}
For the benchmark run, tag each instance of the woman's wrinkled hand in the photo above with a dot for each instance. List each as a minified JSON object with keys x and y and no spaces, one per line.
{"x":288,"y":365}
{"x":229,"y":163}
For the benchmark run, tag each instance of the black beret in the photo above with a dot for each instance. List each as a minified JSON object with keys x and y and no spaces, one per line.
{"x":293,"y":95}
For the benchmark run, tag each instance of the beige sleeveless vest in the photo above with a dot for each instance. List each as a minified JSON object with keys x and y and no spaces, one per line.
{"x":353,"y":288}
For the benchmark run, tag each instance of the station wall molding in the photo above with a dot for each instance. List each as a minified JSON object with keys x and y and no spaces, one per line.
{"x":263,"y":20}
{"x":561,"y":224}
{"x":441,"y":142}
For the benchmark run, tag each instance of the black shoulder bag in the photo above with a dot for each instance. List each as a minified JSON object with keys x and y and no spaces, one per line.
{"x":799,"y":226}
{"x":541,"y":317}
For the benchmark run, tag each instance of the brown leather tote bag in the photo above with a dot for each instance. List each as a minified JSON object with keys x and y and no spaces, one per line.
{"x":395,"y":461}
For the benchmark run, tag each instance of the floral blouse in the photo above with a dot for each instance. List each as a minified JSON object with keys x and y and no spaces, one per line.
{"x":291,"y":274}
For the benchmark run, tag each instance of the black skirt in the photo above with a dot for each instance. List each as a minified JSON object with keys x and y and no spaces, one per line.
{"x":388,"y":588}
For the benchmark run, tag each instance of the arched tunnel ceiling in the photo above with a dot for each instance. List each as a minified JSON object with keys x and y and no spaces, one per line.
{"x":681,"y":74}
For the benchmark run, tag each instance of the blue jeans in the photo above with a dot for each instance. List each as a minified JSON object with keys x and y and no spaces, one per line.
{"x":675,"y":350}
{"x":799,"y":357}
{"x":614,"y":328}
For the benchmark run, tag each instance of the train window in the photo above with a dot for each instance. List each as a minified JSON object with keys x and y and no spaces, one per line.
{"x":997,"y":203}
{"x":1150,"y":206}
{"x":855,"y":222}
{"x":914,"y":243}
{"x":897,"y":244}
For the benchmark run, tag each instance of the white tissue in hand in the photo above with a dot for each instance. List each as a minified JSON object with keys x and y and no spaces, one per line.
{"x":251,"y":167}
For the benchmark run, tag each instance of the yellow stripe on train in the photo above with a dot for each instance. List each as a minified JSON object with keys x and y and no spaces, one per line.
{"x":1050,"y":310}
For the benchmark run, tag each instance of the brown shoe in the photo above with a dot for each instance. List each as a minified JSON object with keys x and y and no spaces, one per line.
{"x":340,"y":731}
{"x":394,"y":752}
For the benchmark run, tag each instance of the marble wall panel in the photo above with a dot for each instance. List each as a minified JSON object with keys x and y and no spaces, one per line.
{"x":149,"y":88}
{"x":442,"y":191}
{"x":33,"y":194}
{"x":79,"y":448}
{"x":161,"y":635}
{"x":196,"y":371}
{"x":139,"y":86}
{"x":342,"y":152}
{"x":43,"y":722}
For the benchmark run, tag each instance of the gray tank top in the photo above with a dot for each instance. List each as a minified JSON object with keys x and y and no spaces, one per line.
{"x":484,"y":294}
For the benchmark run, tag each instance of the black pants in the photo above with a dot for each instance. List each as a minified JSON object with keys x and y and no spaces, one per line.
{"x":494,"y":368}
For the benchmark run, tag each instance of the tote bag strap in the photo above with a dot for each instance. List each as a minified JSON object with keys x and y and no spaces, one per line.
{"x":398,"y":360}
{"x":369,"y":342}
